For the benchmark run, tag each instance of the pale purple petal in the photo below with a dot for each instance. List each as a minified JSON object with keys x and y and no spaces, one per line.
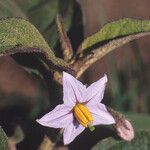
{"x":72,"y":131}
{"x":100,"y":114}
{"x":95,"y":92}
{"x":59,"y":117}
{"x":72,"y":90}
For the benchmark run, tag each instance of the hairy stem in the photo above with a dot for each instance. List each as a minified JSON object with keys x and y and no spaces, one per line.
{"x":81,"y":64}
{"x":64,"y":40}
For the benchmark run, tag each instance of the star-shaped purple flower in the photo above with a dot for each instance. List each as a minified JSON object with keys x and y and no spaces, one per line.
{"x":82,"y":108}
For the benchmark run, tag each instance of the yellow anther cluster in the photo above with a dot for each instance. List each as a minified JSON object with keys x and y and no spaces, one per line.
{"x":83,"y":115}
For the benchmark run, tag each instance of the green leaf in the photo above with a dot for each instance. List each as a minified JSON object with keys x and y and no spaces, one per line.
{"x":3,"y":140}
{"x":116,"y":29}
{"x":20,"y":36}
{"x":98,"y":53}
{"x":41,"y":14}
{"x":140,"y":142}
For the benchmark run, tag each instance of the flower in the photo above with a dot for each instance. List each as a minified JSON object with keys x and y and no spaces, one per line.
{"x":125,"y":130}
{"x":82,"y":108}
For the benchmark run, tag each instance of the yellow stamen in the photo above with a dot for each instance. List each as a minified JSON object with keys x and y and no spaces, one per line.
{"x":83,"y":115}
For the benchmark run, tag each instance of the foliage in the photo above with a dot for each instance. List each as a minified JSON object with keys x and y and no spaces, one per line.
{"x":116,"y":29}
{"x":141,"y":142}
{"x":19,"y":36}
{"x":111,"y":36}
{"x":41,"y":14}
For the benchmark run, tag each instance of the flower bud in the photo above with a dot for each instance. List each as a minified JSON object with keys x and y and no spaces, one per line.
{"x":123,"y":126}
{"x":125,"y":130}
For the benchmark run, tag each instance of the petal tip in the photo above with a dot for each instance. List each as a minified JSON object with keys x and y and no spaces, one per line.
{"x":67,"y":77}
{"x":65,"y":74}
{"x":105,"y":78}
{"x":66,"y":142}
{"x":39,"y":121}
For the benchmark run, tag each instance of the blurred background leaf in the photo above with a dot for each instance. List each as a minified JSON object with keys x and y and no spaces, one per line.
{"x":139,"y":121}
{"x":43,"y":15}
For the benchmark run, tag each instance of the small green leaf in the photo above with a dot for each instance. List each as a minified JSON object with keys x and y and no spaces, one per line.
{"x":3,"y":140}
{"x":20,"y":36}
{"x":116,"y":29}
{"x":140,"y":142}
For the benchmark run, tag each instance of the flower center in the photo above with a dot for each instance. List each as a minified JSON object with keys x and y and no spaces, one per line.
{"x":83,"y":115}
